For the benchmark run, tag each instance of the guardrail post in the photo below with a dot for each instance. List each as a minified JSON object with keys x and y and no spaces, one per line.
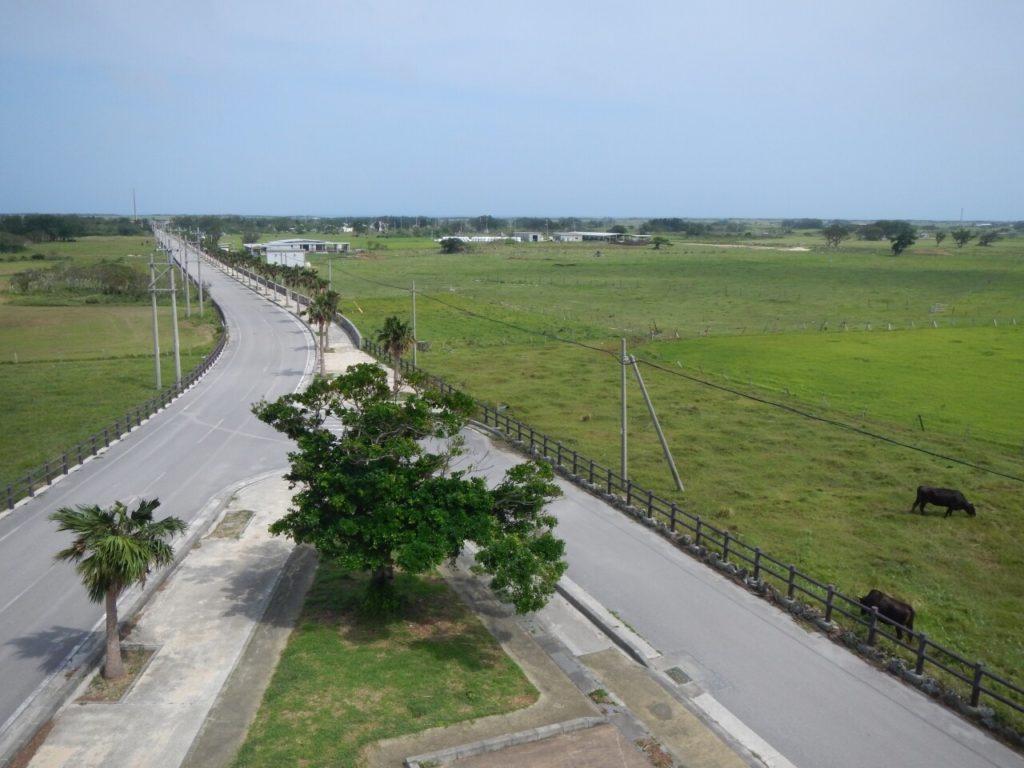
{"x":609,"y":481}
{"x":558,"y":455}
{"x":725,"y":546}
{"x":10,"y":497}
{"x":979,"y":671}
{"x":922,"y":643}
{"x":872,"y":627}
{"x":575,"y":462}
{"x":106,"y":437}
{"x":64,"y":462}
{"x":672,"y":517}
{"x":650,"y":504}
{"x":757,"y":563}
{"x":697,"y":531}
{"x":28,"y":481}
{"x":46,"y":472}
{"x":828,"y":601}
{"x":591,"y":471}
{"x":629,"y":492}
{"x":531,"y":439}
{"x":93,"y":438}
{"x":791,"y":590}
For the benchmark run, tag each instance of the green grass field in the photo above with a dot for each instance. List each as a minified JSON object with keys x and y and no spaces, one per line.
{"x":345,"y":682}
{"x":68,"y":369}
{"x":537,"y":327}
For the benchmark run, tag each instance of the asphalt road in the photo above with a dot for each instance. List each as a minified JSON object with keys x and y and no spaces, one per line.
{"x":185,"y":455}
{"x":812,"y":701}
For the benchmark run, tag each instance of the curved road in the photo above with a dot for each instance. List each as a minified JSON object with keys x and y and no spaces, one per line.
{"x":814,"y":703}
{"x":185,"y":455}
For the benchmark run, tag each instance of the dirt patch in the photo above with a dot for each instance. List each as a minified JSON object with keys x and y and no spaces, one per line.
{"x":233,"y":524}
{"x":136,"y":659}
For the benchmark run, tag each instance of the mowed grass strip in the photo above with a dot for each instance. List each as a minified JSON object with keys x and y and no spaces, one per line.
{"x":345,"y":682}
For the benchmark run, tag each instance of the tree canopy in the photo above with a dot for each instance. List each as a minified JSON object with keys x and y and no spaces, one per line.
{"x":379,"y":492}
{"x":961,"y":236}
{"x":835,"y":234}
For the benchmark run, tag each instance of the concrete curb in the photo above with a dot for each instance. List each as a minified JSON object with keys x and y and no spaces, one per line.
{"x":620,"y":634}
{"x":501,"y":742}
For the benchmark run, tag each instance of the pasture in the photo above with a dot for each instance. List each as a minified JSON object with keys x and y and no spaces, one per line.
{"x":69,"y":367}
{"x":756,"y":358}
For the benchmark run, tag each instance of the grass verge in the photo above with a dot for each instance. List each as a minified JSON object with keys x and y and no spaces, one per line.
{"x":345,"y":682}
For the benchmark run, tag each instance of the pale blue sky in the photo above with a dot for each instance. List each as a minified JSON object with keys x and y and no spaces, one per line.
{"x":717,"y":108}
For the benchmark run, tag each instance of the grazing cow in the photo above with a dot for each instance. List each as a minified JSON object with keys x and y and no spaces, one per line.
{"x":889,"y":609}
{"x":942,"y":497}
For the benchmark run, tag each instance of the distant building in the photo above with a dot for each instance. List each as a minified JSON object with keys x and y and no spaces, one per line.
{"x":528,"y":237}
{"x":292,"y":253}
{"x":608,"y":237}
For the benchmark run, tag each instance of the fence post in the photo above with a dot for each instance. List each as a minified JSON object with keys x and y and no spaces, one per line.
{"x":519,"y":429}
{"x":791,"y":590}
{"x":575,"y":464}
{"x":591,"y":471}
{"x":650,"y":504}
{"x":922,"y":642}
{"x":609,"y":481}
{"x":828,"y":602}
{"x":46,"y":472}
{"x":696,"y":530}
{"x":873,"y":625}
{"x":558,"y":448}
{"x":93,"y":438}
{"x":28,"y":481}
{"x":672,"y":517}
{"x":979,"y":671}
{"x":10,"y":497}
{"x":757,"y":563}
{"x":79,"y":449}
{"x":629,"y":492}
{"x":531,"y":439}
{"x":544,"y":445}
{"x":106,"y":437}
{"x":64,"y":462}
{"x":725,"y":547}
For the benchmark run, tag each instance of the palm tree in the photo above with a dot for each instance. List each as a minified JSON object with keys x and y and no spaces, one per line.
{"x":321,"y":311}
{"x":114,"y":549}
{"x":396,"y":336}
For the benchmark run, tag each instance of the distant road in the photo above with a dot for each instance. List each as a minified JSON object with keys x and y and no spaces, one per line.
{"x":204,"y":442}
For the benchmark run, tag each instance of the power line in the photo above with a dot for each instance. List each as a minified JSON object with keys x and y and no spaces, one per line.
{"x":709,"y":384}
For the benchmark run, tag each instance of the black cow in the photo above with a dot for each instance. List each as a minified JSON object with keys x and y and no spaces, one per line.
{"x":942,"y":497}
{"x":889,"y":609}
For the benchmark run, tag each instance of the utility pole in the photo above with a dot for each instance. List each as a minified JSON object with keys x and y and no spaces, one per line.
{"x":630,"y":360}
{"x":624,"y":466}
{"x":156,"y":331}
{"x":415,"y":343}
{"x":199,"y":266}
{"x":174,"y":324}
{"x":185,"y":279}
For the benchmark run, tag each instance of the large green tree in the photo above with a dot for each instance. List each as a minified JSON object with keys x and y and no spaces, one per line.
{"x":835,"y":234}
{"x":379,"y":493}
{"x":113,"y":549}
{"x":901,"y":236}
{"x":961,"y":236}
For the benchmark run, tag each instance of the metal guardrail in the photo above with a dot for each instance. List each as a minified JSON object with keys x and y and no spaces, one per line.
{"x":800,"y":593}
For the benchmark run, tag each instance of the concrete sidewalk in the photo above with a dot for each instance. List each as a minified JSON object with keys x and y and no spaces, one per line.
{"x":219,"y":623}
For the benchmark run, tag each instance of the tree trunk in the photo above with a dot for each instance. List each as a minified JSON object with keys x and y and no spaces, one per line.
{"x":113,"y":667}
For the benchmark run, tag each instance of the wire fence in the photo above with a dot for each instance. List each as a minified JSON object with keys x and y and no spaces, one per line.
{"x":50,"y":471}
{"x":966,"y":685}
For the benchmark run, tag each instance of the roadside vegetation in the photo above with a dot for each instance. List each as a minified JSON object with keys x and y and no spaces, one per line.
{"x":76,"y":342}
{"x":347,"y":680}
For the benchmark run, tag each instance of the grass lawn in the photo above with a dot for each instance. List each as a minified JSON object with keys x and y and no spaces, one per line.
{"x":345,"y":682}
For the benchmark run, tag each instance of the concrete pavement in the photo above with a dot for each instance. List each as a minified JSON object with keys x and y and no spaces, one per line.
{"x":222,"y":617}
